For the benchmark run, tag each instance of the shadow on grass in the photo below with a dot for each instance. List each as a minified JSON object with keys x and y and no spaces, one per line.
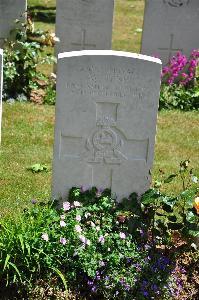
{"x":45,"y":17}
{"x":45,"y":14}
{"x":40,"y":7}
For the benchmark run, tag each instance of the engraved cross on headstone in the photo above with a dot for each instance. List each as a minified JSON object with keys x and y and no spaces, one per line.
{"x":170,"y":50}
{"x":105,"y":149}
{"x":83,"y":43}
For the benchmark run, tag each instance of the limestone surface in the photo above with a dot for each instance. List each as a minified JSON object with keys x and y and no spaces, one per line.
{"x":170,"y":26}
{"x":106,"y":112}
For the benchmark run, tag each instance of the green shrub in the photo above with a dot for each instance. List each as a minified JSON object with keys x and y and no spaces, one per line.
{"x":22,"y":58}
{"x":179,"y":97}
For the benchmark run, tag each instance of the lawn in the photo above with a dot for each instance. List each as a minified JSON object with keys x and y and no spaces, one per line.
{"x":27,"y":129}
{"x":27,"y":139}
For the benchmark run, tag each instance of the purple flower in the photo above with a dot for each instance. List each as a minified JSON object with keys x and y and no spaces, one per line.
{"x":66,"y":206}
{"x":94,"y":288}
{"x":101,"y":239}
{"x":78,"y":218}
{"x":102,"y":263}
{"x":84,"y":240}
{"x":63,"y":241}
{"x":33,"y":201}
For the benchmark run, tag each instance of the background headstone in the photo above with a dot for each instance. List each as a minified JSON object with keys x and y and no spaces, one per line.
{"x":106,"y":111}
{"x":1,"y":85}
{"x":170,"y":26}
{"x":84,"y":24}
{"x":10,"y":10}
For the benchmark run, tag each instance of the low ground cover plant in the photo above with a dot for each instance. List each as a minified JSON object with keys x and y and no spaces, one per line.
{"x":95,"y":248}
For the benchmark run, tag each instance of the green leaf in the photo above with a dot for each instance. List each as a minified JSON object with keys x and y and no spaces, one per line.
{"x":21,"y":242}
{"x":170,"y":178}
{"x":59,"y":273}
{"x":6,"y":261}
{"x":36,"y":168}
{"x":16,"y":269}
{"x":172,"y":218}
{"x":167,"y":208}
{"x":150,"y":196}
{"x":191,"y":217}
{"x":175,"y":226}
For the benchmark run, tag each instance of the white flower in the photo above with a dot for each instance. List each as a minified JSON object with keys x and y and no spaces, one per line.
{"x":87,"y":214}
{"x":78,"y":218}
{"x":66,"y":206}
{"x":97,"y":228}
{"x":194,"y":179}
{"x":88,"y":242}
{"x":54,"y":37}
{"x":62,"y":224}
{"x":62,"y":217}
{"x":53,"y":76}
{"x":77,"y":204}
{"x":122,"y":235}
{"x":78,"y":228}
{"x":45,"y":237}
{"x":92,"y":224}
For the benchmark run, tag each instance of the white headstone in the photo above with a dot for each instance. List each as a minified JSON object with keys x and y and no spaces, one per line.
{"x":106,"y":111}
{"x":10,"y":10}
{"x":170,"y":26}
{"x":1,"y":85}
{"x":84,"y":24}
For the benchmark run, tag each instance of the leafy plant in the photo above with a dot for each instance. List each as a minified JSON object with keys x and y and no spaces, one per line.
{"x":21,"y":60}
{"x":179,"y":97}
{"x":37,"y":168}
{"x":95,"y":246}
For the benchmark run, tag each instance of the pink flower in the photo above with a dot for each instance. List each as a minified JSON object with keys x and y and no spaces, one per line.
{"x":78,"y":218}
{"x":62,"y":224}
{"x":45,"y":237}
{"x":63,"y":241}
{"x":84,"y":240}
{"x":122,"y":235}
{"x":78,"y":228}
{"x":66,"y":206}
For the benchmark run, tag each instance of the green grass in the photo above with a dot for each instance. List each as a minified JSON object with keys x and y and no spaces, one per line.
{"x":27,"y":138}
{"x":27,"y":129}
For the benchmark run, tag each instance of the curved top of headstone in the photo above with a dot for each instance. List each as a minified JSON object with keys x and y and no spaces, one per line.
{"x":107,"y":53}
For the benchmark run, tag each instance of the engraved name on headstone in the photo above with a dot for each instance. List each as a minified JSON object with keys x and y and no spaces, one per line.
{"x":170,"y":26}
{"x":1,"y":84}
{"x":10,"y":11}
{"x":84,"y":24}
{"x":106,"y":111}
